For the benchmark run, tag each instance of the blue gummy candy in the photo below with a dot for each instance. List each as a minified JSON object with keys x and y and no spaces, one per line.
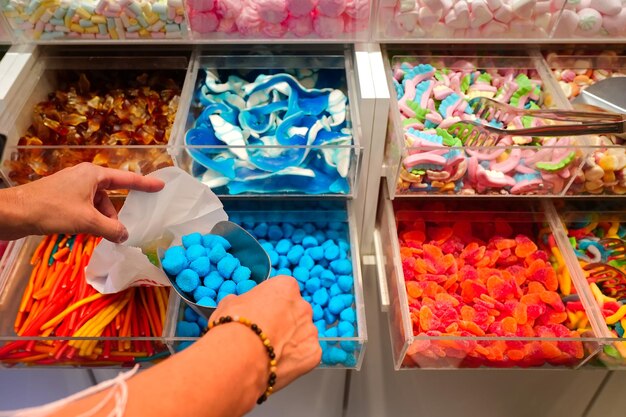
{"x":298,"y":236}
{"x":294,"y":254}
{"x":331,"y":332}
{"x":306,"y":262}
{"x":335,"y":290}
{"x":242,"y":273}
{"x":217,"y":253}
{"x":202,"y":292}
{"x":323,"y":345}
{"x":209,"y":241}
{"x":288,"y":230}
{"x":345,"y":282}
{"x":301,"y":274}
{"x":273,"y":255}
{"x":348,"y":315}
{"x":222,"y":295}
{"x":319,"y":236}
{"x":207,"y":302}
{"x":227,"y":266}
{"x":318,"y":312}
{"x":345,"y":329}
{"x":321,"y":225}
{"x":343,"y":245}
{"x":267,"y":246}
{"x":187,"y":329}
{"x":283,"y":246}
{"x":188,"y":280}
{"x":173,"y":264}
{"x":347,"y":299}
{"x":348,"y":346}
{"x":309,"y":242}
{"x":336,"y":355}
{"x":321,"y":297}
{"x":316,"y":253}
{"x":327,"y":278}
{"x":341,"y":266}
{"x":183,"y":345}
{"x":335,"y":225}
{"x":316,"y":271}
{"x":174,"y":252}
{"x":213,"y":281}
{"x":350,"y":361}
{"x":202,"y":266}
{"x":331,"y":253}
{"x":329,"y":317}
{"x":321,"y":327}
{"x":327,"y":244}
{"x":260,"y":231}
{"x":301,"y":287}
{"x":202,"y":322}
{"x":283,"y":262}
{"x":307,"y":298}
{"x":308,"y":227}
{"x":245,"y":286}
{"x":190,"y":314}
{"x":336,"y":305}
{"x":194,"y":252}
{"x":332,"y":234}
{"x":284,"y":271}
{"x":228,"y":287}
{"x":192,"y":239}
{"x":275,"y":232}
{"x":312,"y":285}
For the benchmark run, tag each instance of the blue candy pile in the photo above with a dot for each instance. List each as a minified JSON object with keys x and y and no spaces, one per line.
{"x":205,"y":271}
{"x":318,"y":256}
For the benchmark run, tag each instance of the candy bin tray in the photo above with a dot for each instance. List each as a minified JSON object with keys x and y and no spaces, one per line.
{"x":302,"y":223}
{"x":423,"y":159}
{"x":90,"y":338}
{"x":594,"y":234}
{"x":272,"y":125}
{"x":110,"y":110}
{"x":449,"y":309}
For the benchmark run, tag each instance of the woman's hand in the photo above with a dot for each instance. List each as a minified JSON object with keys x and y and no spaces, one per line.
{"x":73,"y":200}
{"x":278,"y":309}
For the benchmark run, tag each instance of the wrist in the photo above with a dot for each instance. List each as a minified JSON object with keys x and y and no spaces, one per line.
{"x":15,"y":221}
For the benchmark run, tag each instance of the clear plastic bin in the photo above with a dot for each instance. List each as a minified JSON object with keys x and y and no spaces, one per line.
{"x":483,"y":21}
{"x":288,"y":21}
{"x":340,"y":351}
{"x":427,"y":165}
{"x":28,"y":157}
{"x":236,"y":159}
{"x":91,"y":20}
{"x":416,"y":340}
{"x":590,"y":21}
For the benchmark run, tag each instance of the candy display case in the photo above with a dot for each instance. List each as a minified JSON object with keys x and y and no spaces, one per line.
{"x":429,"y":94}
{"x":470,"y":287}
{"x":594,"y":20}
{"x":272,"y":125}
{"x":115,"y":111}
{"x":335,"y":291}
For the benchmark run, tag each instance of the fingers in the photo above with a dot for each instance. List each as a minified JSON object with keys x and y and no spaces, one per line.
{"x":110,"y":229}
{"x":103,"y":204}
{"x":111,"y":179}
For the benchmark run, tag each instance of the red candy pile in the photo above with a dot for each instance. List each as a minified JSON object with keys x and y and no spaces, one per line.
{"x":501,"y":286}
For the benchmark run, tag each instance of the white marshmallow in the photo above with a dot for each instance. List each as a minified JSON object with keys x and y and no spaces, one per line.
{"x":543,"y":7}
{"x":607,"y":7}
{"x":481,"y":13}
{"x":494,"y":4}
{"x":427,"y":18}
{"x":494,"y":28}
{"x":436,"y":5}
{"x":408,"y":20}
{"x":407,"y":5}
{"x":462,"y":15}
{"x":567,"y":24}
{"x":590,"y":22}
{"x":523,"y":8}
{"x":504,"y":14}
{"x":615,"y":25}
{"x":543,"y":20}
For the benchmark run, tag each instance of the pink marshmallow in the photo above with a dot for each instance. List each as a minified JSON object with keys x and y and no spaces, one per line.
{"x":203,"y":22}
{"x":523,"y":8}
{"x":615,"y":25}
{"x":227,"y":26}
{"x":201,"y":5}
{"x":590,"y":22}
{"x":427,"y":17}
{"x":274,"y":30}
{"x":228,"y":9}
{"x":408,"y":20}
{"x":557,"y":5}
{"x":481,"y":14}
{"x":355,"y":25}
{"x":248,"y":21}
{"x":608,"y":7}
{"x":331,"y":8}
{"x":504,"y":14}
{"x":272,"y":11}
{"x":299,"y":8}
{"x":494,"y":28}
{"x":567,"y":24}
{"x":459,"y":16}
{"x":436,"y":5}
{"x":543,"y":7}
{"x":358,"y":9}
{"x":328,"y":27}
{"x":300,"y":26}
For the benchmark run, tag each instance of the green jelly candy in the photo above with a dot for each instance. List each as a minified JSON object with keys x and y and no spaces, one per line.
{"x":557,"y":166}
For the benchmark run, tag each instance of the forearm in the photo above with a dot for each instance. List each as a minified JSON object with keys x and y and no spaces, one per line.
{"x":222,"y":375}
{"x":14,"y":222}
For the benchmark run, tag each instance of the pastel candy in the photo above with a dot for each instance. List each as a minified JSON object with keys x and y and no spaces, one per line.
{"x":208,"y":241}
{"x":201,"y":5}
{"x":590,"y":22}
{"x":228,"y":287}
{"x":345,"y":282}
{"x":328,"y":27}
{"x":481,"y":14}
{"x":174,"y":252}
{"x":567,"y":25}
{"x":217,"y":253}
{"x":608,"y":7}
{"x":615,"y":25}
{"x":341,"y":266}
{"x":321,"y":297}
{"x":204,"y":21}
{"x":301,"y":273}
{"x":331,"y":8}
{"x":358,"y":9}
{"x":272,"y":11}
{"x":348,"y":315}
{"x":318,"y":312}
{"x":312,"y":285}
{"x":173,"y":264}
{"x":207,"y":302}
{"x":283,"y":246}
{"x":523,"y":8}
{"x":299,"y":8}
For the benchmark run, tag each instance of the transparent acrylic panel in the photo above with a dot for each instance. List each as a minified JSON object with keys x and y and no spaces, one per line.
{"x":309,"y":230}
{"x":297,"y":134}
{"x":90,"y":20}
{"x":431,"y":93}
{"x":117,"y":112}
{"x":482,"y":288}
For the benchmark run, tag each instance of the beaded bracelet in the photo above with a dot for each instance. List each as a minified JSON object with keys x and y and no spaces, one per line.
{"x":266,"y":342}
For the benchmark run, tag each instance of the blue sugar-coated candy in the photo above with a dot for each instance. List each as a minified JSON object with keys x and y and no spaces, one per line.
{"x":242,"y":273}
{"x":335,"y":225}
{"x":187,"y":329}
{"x":308,"y":228}
{"x":346,"y":329}
{"x":343,"y":254}
{"x":332,"y":234}
{"x":336,"y":355}
{"x":217,"y":253}
{"x":321,"y":225}
{"x":331,"y":253}
{"x":227,"y":266}
{"x":267,"y":246}
{"x":301,"y":274}
{"x":331,"y":332}
{"x":318,"y":312}
{"x":319,"y":236}
{"x":348,"y":346}
{"x":183,"y":345}
{"x":260,"y":231}
{"x":323,"y":263}
{"x":321,"y":297}
{"x":194,"y":252}
{"x":326,"y":357}
{"x":173,"y":264}
{"x":335,"y":290}
{"x":222,"y":295}
{"x":315,"y":252}
{"x":329,"y":317}
{"x":347,"y":299}
{"x":308,"y":299}
{"x":245,"y":286}
{"x":275,"y":232}
{"x":192,"y":239}
{"x":336,"y":305}
{"x":316,"y":271}
{"x":341,"y":267}
{"x":228,"y":287}
{"x":327,"y":278}
{"x":312,"y":285}
{"x":327,"y":243}
{"x":273,"y":257}
{"x":348,"y":315}
{"x":213,"y":281}
{"x":288,"y":230}
{"x":345,"y":282}
{"x":301,"y":287}
{"x":283,"y":246}
{"x":175,"y":252}
{"x":298,"y":236}
{"x":207,"y":302}
{"x":294,"y":254}
{"x":309,"y":242}
{"x":343,"y":244}
{"x":202,"y":266}
{"x":188,"y":280}
{"x":208,"y":241}
{"x":203,"y":292}
{"x":306,"y":262}
{"x":323,"y":345}
{"x":190,"y":315}
{"x":321,"y":327}
{"x":284,"y":271}
{"x":202,"y":322}
{"x":350,"y":361}
{"x":283,"y":262}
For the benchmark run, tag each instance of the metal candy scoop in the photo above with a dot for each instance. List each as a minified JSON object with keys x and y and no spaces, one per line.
{"x":608,"y":94}
{"x":243,"y":247}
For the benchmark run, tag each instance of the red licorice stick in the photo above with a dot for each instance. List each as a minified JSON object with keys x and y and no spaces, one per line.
{"x":61,"y":281}
{"x":152,"y":306}
{"x":135,"y":332}
{"x":107,"y":343}
{"x":147,"y":314}
{"x":61,"y":351}
{"x":11,"y":346}
{"x":146,"y":332}
{"x":51,"y":310}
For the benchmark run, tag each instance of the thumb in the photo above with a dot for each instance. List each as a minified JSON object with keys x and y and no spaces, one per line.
{"x":110,"y":229}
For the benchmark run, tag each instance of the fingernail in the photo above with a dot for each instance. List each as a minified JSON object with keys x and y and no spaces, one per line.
{"x":124,"y":236}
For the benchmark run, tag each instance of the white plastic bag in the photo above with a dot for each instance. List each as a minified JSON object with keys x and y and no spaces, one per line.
{"x":184,"y":206}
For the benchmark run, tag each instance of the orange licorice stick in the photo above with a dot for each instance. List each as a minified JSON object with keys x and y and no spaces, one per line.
{"x":147,"y":312}
{"x":29,"y":288}
{"x":69,"y":309}
{"x":75,"y":249}
{"x":63,"y":242}
{"x":162,"y":302}
{"x":39,"y":250}
{"x":61,"y":253}
{"x":154,"y":312}
{"x":46,"y":258}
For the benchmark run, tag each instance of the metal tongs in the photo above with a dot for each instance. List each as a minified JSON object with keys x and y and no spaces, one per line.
{"x":477,"y":133}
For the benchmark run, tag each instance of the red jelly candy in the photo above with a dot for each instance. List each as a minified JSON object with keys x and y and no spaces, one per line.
{"x":525,"y":247}
{"x":471,"y":290}
{"x":428,"y":320}
{"x":440,"y":234}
